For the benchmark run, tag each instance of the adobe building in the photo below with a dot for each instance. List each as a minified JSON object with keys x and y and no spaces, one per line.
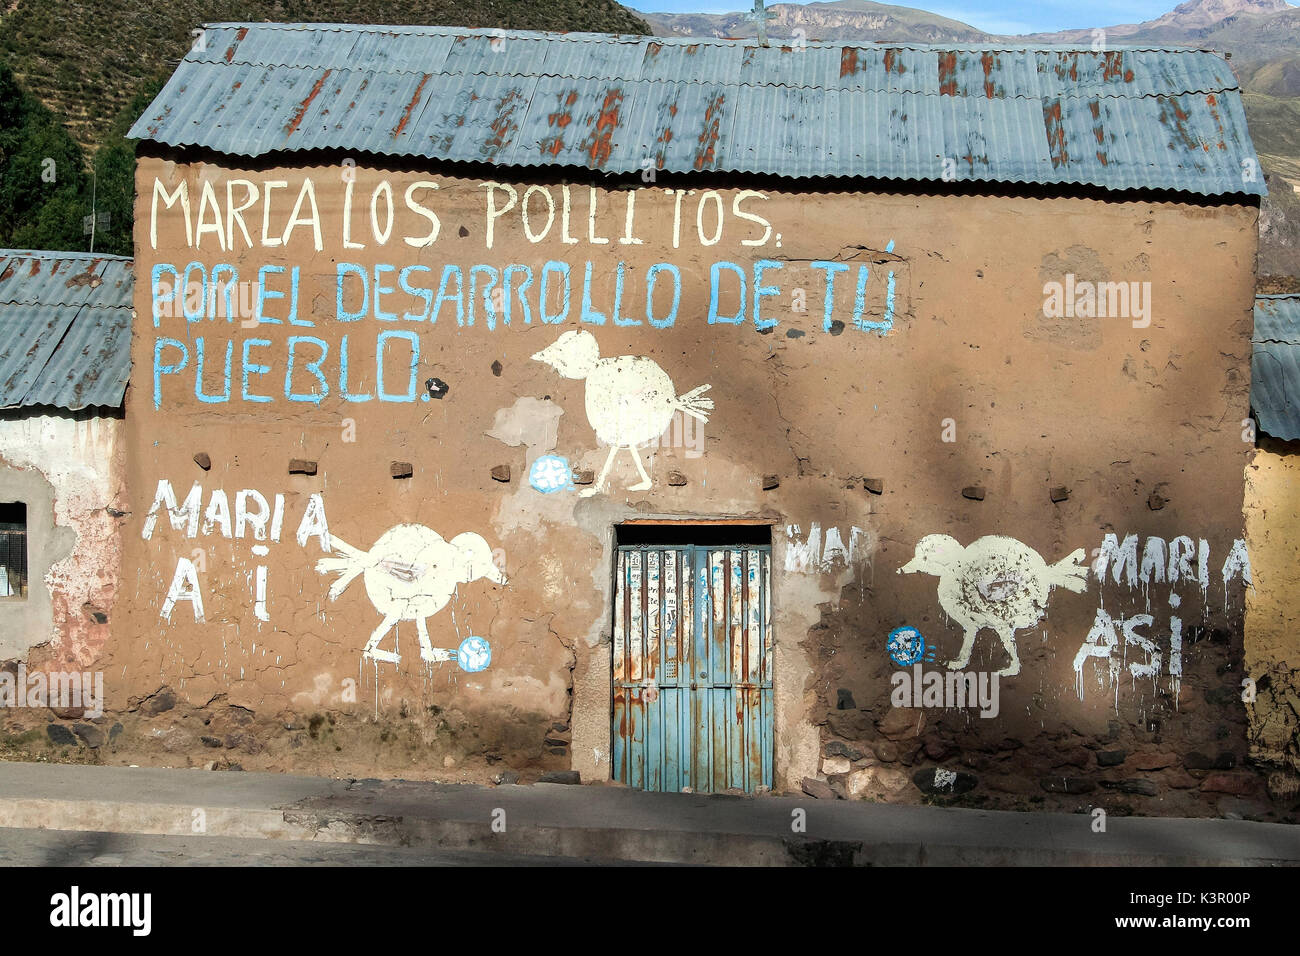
{"x":693,"y":414}
{"x":66,"y":324}
{"x":1272,"y":486}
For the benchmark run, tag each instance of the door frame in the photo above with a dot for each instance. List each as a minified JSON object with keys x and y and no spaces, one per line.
{"x":701,"y":536}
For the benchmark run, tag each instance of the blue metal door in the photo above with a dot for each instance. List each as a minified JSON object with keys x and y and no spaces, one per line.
{"x":693,"y":668}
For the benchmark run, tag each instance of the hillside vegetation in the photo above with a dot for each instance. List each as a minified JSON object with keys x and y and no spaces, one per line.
{"x":74,"y":75}
{"x":85,"y":59}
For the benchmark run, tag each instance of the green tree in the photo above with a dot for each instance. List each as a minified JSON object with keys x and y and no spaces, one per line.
{"x":115,"y":176}
{"x":42,"y":175}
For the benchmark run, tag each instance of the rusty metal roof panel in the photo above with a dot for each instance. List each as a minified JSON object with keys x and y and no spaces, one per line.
{"x":64,"y":278}
{"x":65,"y":329}
{"x":1275,"y":365}
{"x":1118,"y":119}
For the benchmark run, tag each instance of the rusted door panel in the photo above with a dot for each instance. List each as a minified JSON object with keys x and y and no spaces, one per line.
{"x":692,"y":671}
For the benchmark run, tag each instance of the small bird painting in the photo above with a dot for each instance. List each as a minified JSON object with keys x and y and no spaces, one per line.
{"x":410,"y":574}
{"x":630,"y":399}
{"x":997,"y":583}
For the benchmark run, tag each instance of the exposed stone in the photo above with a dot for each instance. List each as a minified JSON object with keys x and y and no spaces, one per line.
{"x":885,"y":751}
{"x":554,"y":742}
{"x":497,"y":367}
{"x":859,"y":782}
{"x":1078,"y":757}
{"x":208,"y":741}
{"x":818,"y":789}
{"x":163,"y":700}
{"x":1015,"y":784}
{"x":300,"y":466}
{"x":833,"y":765}
{"x":936,"y":748}
{"x":850,"y":724}
{"x":877,"y":780}
{"x":974,"y":760}
{"x":203,"y":461}
{"x":770,"y":482}
{"x":1138,"y":785}
{"x":844,"y":700}
{"x":584,"y":477}
{"x":902,"y":723}
{"x":501,"y":473}
{"x":874,"y":485}
{"x":245,"y":742}
{"x":676,"y":479}
{"x":560,"y":776}
{"x":1156,"y":501}
{"x":1111,"y":758}
{"x":1196,"y":761}
{"x":1238,"y":784}
{"x":115,"y":731}
{"x":559,"y":727}
{"x":506,"y":778}
{"x":1067,"y":785}
{"x":90,"y":735}
{"x":937,"y":780}
{"x":1154,"y":761}
{"x":1059,"y":494}
{"x":401,"y":469}
{"x":60,"y":736}
{"x":973,"y":492}
{"x":838,"y":748}
{"x":1179,"y":780}
{"x":910,"y":752}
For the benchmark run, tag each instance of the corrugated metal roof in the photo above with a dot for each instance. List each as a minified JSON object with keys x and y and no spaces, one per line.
{"x":1275,"y":365}
{"x":65,"y":329}
{"x":1120,"y":119}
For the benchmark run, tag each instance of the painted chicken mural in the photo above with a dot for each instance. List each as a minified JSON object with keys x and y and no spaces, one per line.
{"x":996,"y":583}
{"x":410,"y":574}
{"x":630,"y":399}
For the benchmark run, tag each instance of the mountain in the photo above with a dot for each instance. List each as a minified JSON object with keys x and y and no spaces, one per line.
{"x":1253,"y":29}
{"x":839,"y":20}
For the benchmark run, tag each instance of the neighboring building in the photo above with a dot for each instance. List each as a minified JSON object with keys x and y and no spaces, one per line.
{"x":65,"y":318}
{"x":976,"y":314}
{"x":1273,"y":533}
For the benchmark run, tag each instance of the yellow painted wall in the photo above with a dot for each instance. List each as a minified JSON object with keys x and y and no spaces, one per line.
{"x":1272,"y":639}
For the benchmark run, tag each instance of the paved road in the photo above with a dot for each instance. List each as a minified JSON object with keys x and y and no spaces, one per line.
{"x":82,"y":848}
{"x":551,"y":821}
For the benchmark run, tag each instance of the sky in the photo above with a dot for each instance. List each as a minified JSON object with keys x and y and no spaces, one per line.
{"x":991,"y":16}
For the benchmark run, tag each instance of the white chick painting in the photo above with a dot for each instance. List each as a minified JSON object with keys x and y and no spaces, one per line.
{"x":996,"y":583}
{"x":630,"y":399}
{"x":410,"y":574}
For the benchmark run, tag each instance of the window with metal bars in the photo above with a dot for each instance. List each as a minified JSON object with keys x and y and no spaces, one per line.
{"x":13,"y":550}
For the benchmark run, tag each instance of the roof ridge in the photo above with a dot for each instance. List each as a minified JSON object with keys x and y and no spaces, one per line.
{"x":1063,"y":93}
{"x":581,"y":36}
{"x":59,"y":254}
